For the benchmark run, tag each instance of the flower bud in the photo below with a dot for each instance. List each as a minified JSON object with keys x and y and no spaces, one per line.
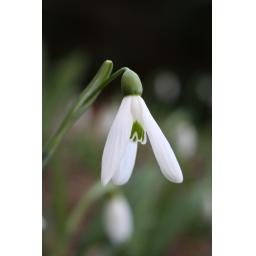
{"x":131,"y":84}
{"x":118,"y":219}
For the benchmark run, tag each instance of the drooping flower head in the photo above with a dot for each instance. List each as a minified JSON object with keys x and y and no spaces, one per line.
{"x":132,"y":125}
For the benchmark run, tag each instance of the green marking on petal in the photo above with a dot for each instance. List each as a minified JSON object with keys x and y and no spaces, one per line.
{"x":137,"y":133}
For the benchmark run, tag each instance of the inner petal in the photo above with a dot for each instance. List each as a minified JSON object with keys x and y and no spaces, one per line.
{"x":137,"y":133}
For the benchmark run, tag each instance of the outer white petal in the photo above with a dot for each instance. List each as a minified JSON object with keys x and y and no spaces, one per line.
{"x":126,"y":165}
{"x":161,"y":147}
{"x":117,"y":140}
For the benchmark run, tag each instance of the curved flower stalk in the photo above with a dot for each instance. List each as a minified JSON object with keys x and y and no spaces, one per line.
{"x":118,"y":219}
{"x":132,"y":124}
{"x":102,"y":78}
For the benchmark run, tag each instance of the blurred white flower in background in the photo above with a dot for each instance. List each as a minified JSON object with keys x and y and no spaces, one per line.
{"x":186,"y":139}
{"x":118,"y":219}
{"x":180,"y":128}
{"x":167,"y":86}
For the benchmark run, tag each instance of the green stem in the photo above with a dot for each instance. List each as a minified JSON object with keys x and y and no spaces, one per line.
{"x":95,"y":94}
{"x":75,"y":218}
{"x":85,"y":100}
{"x":86,"y":200}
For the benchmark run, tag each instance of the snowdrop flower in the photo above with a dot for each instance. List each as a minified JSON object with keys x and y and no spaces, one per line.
{"x":132,"y":124}
{"x":118,"y":220}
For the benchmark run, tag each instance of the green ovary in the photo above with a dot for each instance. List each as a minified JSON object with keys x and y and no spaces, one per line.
{"x":137,"y":133}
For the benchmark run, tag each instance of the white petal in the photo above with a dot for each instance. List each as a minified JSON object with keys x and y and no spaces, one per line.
{"x":161,"y":147}
{"x":136,"y":109}
{"x":117,"y":140}
{"x":127,"y":164}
